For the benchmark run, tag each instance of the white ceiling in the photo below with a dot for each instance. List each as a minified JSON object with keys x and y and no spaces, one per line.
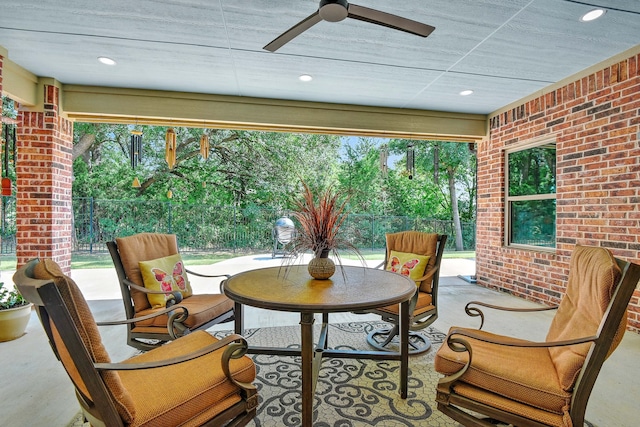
{"x":502,"y":50}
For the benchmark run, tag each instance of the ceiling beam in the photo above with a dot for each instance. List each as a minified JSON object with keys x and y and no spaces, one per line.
{"x":117,"y":105}
{"x":17,"y":83}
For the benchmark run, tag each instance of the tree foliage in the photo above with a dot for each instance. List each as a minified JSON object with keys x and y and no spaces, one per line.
{"x":252,"y":170}
{"x":243,"y":167}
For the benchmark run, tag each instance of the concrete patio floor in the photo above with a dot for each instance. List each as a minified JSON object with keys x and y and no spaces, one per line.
{"x":37,"y":392}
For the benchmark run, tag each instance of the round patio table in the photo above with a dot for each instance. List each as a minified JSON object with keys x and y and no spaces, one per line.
{"x":351,"y":288}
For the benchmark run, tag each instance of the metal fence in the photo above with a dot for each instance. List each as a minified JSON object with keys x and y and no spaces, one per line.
{"x":206,"y":228}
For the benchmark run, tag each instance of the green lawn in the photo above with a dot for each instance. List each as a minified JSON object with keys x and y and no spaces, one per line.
{"x":103,"y":260}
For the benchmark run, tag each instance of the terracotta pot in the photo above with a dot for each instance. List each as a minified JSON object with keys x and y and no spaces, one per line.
{"x":13,"y":322}
{"x":322,"y":267}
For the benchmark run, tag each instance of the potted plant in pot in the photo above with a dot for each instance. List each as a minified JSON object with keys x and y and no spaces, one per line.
{"x":320,"y":217}
{"x":15,"y":312}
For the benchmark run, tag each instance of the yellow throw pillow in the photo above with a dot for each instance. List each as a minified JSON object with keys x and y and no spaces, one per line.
{"x":165,"y":274}
{"x":407,"y":264}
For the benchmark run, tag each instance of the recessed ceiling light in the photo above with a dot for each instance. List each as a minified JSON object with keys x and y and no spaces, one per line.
{"x":305,"y":78}
{"x":106,"y":61}
{"x":466,"y":92}
{"x":592,"y":15}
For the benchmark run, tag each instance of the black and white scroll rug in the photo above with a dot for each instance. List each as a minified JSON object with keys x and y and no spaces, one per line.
{"x":349,"y":392}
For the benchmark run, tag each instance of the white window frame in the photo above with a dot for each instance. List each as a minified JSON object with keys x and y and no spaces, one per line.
{"x":509,"y":199}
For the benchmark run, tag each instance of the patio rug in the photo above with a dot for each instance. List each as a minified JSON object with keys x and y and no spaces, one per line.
{"x":349,"y":392}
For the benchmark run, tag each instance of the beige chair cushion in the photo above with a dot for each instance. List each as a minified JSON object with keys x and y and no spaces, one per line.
{"x":593,"y":274}
{"x":415,"y":242}
{"x":541,"y":377}
{"x":424,"y":304}
{"x":170,"y":396}
{"x":202,"y":308}
{"x":167,"y":396}
{"x":525,"y":375}
{"x":88,"y":330}
{"x":508,"y":405}
{"x":143,"y":247}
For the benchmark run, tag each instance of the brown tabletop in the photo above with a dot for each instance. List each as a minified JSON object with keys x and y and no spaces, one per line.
{"x":351,"y":288}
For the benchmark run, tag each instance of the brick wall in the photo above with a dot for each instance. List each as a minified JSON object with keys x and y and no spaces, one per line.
{"x":44,"y":174}
{"x":596,"y":124}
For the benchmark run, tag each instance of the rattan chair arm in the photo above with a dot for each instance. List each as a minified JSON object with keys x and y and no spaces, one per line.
{"x":235,"y":352}
{"x":476,"y":312}
{"x":509,"y":342}
{"x":173,"y":308}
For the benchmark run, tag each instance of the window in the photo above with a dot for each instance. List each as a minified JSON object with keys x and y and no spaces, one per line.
{"x":531,"y":196}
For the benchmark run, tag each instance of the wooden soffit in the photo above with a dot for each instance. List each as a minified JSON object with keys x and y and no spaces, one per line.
{"x":113,"y":105}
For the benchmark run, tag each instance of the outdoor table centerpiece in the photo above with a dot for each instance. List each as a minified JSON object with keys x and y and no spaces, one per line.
{"x":320,"y":219}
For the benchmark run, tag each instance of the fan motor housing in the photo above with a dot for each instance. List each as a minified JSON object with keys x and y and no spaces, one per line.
{"x":333,"y":10}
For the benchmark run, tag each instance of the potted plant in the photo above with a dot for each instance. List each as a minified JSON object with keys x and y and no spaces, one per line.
{"x":15,"y":312}
{"x":320,"y":217}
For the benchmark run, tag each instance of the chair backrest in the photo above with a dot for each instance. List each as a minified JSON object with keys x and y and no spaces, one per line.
{"x":127,"y":252}
{"x":593,"y":276}
{"x":417,"y":242}
{"x":599,"y":289}
{"x":74,"y":338}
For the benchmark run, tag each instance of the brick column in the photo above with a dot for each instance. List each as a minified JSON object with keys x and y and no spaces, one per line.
{"x":1,"y":127}
{"x":44,"y":173}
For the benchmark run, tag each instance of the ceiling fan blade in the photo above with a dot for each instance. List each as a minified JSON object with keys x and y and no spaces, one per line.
{"x":378,"y":17}
{"x":293,"y":32}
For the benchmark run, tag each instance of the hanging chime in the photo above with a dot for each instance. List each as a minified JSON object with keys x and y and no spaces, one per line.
{"x":411,"y":167}
{"x":170,"y":148}
{"x":9,"y":134}
{"x":135,"y":151}
{"x":384,"y":156}
{"x":204,"y":146}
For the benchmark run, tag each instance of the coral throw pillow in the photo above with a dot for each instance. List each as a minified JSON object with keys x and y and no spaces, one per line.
{"x":165,"y":274}
{"x":407,"y":264}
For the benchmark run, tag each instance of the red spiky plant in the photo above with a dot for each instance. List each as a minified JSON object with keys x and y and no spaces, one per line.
{"x":320,"y":219}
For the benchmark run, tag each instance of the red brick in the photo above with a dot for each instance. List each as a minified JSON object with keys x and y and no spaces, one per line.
{"x":601,"y":187}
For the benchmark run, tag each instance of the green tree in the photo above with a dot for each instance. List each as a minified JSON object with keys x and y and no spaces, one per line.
{"x":444,"y":178}
{"x":243,"y":167}
{"x":360,"y":177}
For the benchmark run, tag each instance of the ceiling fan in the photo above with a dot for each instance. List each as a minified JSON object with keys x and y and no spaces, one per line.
{"x":338,"y":10}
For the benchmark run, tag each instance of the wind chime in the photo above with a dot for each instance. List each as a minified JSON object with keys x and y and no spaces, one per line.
{"x":384,"y":157}
{"x":170,"y":153}
{"x":204,"y":146}
{"x":8,"y":150}
{"x":170,"y":148}
{"x":135,"y":153}
{"x":411,"y":166}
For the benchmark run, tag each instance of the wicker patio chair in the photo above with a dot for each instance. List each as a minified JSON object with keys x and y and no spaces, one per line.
{"x":195,"y":380}
{"x":197,"y":311}
{"x":412,"y":245}
{"x":492,"y":378}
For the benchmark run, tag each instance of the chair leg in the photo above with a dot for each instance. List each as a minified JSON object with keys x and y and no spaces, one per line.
{"x":387,"y":340}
